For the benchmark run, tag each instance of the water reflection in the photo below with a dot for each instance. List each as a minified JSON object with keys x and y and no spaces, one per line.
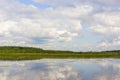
{"x":61,"y":69}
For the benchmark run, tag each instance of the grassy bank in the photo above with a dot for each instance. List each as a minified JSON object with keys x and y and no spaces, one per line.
{"x":29,"y":53}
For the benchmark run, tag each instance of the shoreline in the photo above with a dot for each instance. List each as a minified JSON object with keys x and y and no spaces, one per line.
{"x":35,"y":56}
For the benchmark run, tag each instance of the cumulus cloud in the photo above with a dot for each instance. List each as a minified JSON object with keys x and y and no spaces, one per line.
{"x":61,"y":21}
{"x":107,"y":26}
{"x":74,"y":2}
{"x":27,"y":21}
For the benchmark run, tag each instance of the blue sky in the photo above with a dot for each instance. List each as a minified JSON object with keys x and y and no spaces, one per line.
{"x":38,"y":5}
{"x":77,"y":25}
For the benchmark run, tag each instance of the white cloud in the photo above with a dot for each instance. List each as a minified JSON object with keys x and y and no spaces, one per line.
{"x":29,"y":22}
{"x":108,"y":27}
{"x":74,"y":2}
{"x":62,"y":21}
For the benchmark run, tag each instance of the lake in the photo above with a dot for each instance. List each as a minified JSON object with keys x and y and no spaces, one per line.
{"x":61,"y":69}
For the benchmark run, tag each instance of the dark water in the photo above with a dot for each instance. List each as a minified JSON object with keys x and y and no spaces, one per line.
{"x":61,"y":69}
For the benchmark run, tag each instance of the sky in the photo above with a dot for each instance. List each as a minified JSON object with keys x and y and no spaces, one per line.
{"x":76,"y":25}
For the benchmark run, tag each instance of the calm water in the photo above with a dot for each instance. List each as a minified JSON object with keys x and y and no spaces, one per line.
{"x":61,"y":69}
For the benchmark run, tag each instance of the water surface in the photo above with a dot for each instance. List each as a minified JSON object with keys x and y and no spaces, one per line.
{"x":61,"y":69}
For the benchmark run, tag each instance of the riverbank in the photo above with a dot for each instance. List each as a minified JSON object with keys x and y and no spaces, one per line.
{"x":28,"y":53}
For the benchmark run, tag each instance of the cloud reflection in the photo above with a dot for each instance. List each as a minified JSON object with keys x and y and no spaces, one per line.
{"x":35,"y":70}
{"x":45,"y":69}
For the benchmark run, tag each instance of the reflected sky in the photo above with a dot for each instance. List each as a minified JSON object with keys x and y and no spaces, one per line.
{"x":61,"y":69}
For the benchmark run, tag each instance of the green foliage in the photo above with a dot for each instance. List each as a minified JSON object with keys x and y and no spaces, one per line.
{"x":30,"y":53}
{"x":15,"y":49}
